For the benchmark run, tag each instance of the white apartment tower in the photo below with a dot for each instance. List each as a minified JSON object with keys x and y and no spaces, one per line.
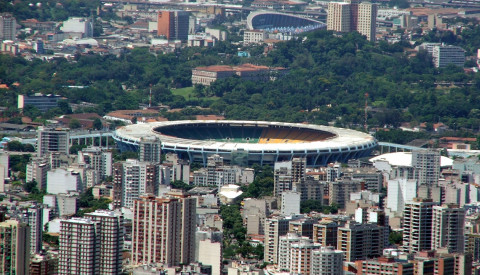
{"x":417,"y":225}
{"x":327,"y":261}
{"x":399,"y":192}
{"x":448,"y":228}
{"x":164,"y":230}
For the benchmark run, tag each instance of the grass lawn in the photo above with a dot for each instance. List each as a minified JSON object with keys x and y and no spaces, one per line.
{"x":185,"y":92}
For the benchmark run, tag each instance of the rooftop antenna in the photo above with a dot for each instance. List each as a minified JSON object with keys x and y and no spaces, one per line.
{"x":366,"y":115}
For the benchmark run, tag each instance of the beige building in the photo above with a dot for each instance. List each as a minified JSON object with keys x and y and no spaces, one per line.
{"x":301,"y":256}
{"x":253,"y":36}
{"x":207,"y":75}
{"x":352,"y":16}
{"x":164,"y":229}
{"x":325,"y":232}
{"x":15,"y":243}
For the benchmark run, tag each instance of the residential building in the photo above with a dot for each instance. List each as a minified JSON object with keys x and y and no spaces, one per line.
{"x":173,"y":25}
{"x":386,"y":266}
{"x":33,"y":217}
{"x":274,"y":228}
{"x":360,"y":241}
{"x":353,"y":16}
{"x":448,"y":228}
{"x":254,"y":36}
{"x":326,"y":232}
{"x":170,"y":223}
{"x":15,"y":243}
{"x":37,"y":170}
{"x":367,"y":15}
{"x":339,"y":191}
{"x":8,"y":27}
{"x":149,"y":149}
{"x":77,"y":25}
{"x":41,"y":101}
{"x":61,"y":180}
{"x":132,"y":179}
{"x":372,"y":177}
{"x":97,"y":159}
{"x":399,"y":192}
{"x":52,"y":140}
{"x":218,"y":174}
{"x":338,"y":17}
{"x":311,"y":189}
{"x":4,"y":168}
{"x":445,"y":55}
{"x":180,"y":167}
{"x":210,"y":253}
{"x":301,"y":256}
{"x":290,"y":203}
{"x":427,"y":166}
{"x":79,"y":250}
{"x":111,"y":240}
{"x":327,"y":261}
{"x":43,"y":264}
{"x":417,"y":225}
{"x":288,"y":173}
{"x":284,"y":249}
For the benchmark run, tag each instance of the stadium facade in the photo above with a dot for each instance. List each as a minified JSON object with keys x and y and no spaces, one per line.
{"x":248,"y":142}
{"x":270,"y":20}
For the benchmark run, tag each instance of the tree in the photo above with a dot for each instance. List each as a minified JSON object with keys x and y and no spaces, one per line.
{"x":97,"y":124}
{"x":74,"y":124}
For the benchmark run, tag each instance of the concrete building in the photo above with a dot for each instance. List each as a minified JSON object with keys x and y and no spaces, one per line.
{"x":352,"y":16}
{"x":170,"y":223}
{"x":76,"y":25}
{"x":206,"y":75}
{"x":45,"y":264}
{"x":448,"y":228}
{"x":218,"y":174}
{"x":372,"y":177}
{"x":97,"y":159}
{"x":301,"y":256}
{"x":8,"y":27}
{"x":274,"y":228}
{"x":367,"y":20}
{"x":288,"y":173}
{"x":52,"y":140}
{"x":37,"y":170}
{"x":417,"y":225}
{"x":254,"y":36}
{"x":41,"y":101}
{"x":311,"y":189}
{"x":327,"y":261}
{"x":180,"y":167}
{"x":61,"y":180}
{"x":33,"y":217}
{"x":150,"y":149}
{"x":173,"y":24}
{"x":326,"y":232}
{"x":210,"y":253}
{"x":4,"y":168}
{"x":445,"y":55}
{"x":111,"y":240}
{"x":338,"y":17}
{"x":388,"y":266}
{"x":399,"y":192}
{"x":284,"y":249}
{"x":290,"y":203}
{"x":339,"y":191}
{"x":133,"y":178}
{"x":79,"y":250}
{"x":15,"y":243}
{"x":427,"y":166}
{"x":360,"y":241}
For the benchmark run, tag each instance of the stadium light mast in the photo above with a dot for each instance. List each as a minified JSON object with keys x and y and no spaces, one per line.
{"x":366,"y":115}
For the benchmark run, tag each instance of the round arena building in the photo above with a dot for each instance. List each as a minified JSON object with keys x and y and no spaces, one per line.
{"x":248,"y":142}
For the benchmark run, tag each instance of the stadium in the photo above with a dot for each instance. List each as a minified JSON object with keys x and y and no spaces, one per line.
{"x":248,"y":142}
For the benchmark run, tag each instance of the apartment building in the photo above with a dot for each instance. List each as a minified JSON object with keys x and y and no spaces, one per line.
{"x":327,"y":261}
{"x":448,"y":228}
{"x":360,"y":241}
{"x":52,"y":140}
{"x":417,"y":225}
{"x":164,"y":229}
{"x":15,"y":243}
